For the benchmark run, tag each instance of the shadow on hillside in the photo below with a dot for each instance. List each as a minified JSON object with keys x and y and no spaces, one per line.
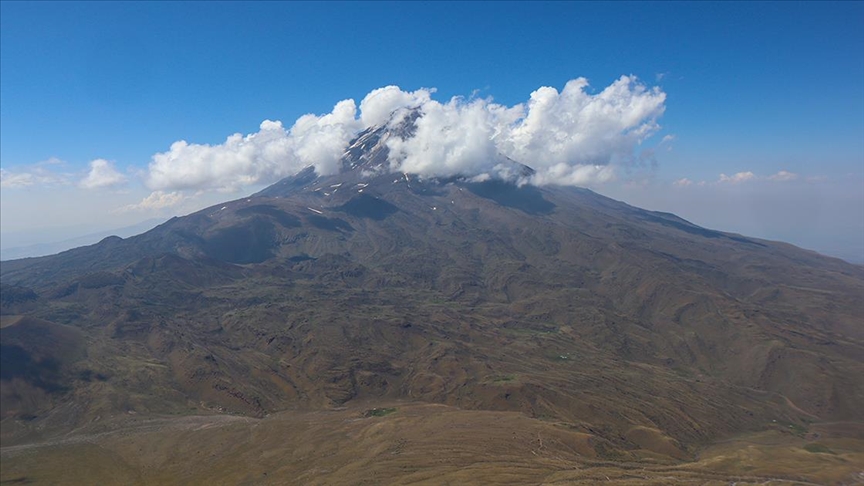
{"x":526,"y":198}
{"x":366,"y":206}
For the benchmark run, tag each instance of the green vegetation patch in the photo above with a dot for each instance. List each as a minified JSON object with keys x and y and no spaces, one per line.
{"x":378,"y":412}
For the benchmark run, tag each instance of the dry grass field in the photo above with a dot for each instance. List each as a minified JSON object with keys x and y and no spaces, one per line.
{"x":416,"y":443}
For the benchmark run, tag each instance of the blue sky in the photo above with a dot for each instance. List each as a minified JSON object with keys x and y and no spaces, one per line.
{"x":760,"y":88}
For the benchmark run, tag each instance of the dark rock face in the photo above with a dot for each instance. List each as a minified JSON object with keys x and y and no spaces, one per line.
{"x":554,"y":302}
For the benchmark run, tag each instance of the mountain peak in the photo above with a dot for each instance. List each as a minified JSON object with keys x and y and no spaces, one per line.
{"x":367,"y":159}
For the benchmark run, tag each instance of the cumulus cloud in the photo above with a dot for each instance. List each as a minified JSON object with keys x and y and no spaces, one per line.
{"x":239,"y":161}
{"x":265,"y":156}
{"x":576,"y":128}
{"x":380,"y":103}
{"x":102,"y":174}
{"x":155,"y":201}
{"x":568,"y":137}
{"x":454,"y":138}
{"x":683,"y":182}
{"x":736,"y":178}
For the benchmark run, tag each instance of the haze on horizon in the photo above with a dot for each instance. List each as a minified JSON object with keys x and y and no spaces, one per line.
{"x":754,"y":125}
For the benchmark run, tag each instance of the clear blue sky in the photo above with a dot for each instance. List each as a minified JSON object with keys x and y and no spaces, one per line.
{"x":751,"y":87}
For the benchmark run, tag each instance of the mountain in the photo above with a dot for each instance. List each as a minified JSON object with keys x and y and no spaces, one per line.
{"x":388,"y":328}
{"x":42,"y":249}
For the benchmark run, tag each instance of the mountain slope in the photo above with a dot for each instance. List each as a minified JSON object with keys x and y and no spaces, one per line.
{"x":651,"y":336}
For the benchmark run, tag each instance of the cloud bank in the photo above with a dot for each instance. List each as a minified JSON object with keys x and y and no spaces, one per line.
{"x":571,"y":137}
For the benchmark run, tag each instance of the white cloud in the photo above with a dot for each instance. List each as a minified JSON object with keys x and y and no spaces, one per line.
{"x":102,"y":174}
{"x":320,"y":141}
{"x":13,"y":180}
{"x":748,"y":176}
{"x":574,"y":175}
{"x":377,"y":106}
{"x":455,"y":138}
{"x":683,"y":182}
{"x":568,"y":137}
{"x":736,"y":178}
{"x":783,"y":176}
{"x":45,"y":173}
{"x":261,"y":157}
{"x":582,"y":131}
{"x":156,"y":201}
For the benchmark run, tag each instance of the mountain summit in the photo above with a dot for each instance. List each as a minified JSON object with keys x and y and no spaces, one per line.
{"x":578,"y":329}
{"x":368,"y":160}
